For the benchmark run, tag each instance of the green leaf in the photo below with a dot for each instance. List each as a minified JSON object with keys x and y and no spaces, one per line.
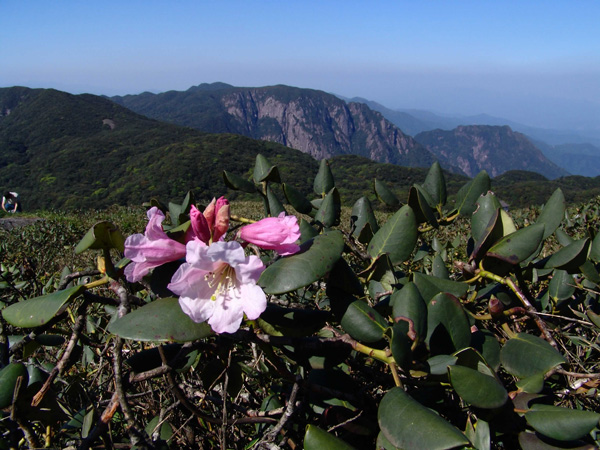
{"x":307,"y":231}
{"x":553,"y":212}
{"x":491,"y":234}
{"x":165,"y":430}
{"x":488,"y":206}
{"x":571,"y":257}
{"x":361,"y":215}
{"x":384,"y":194}
{"x":401,"y":343}
{"x":324,"y":180}
{"x":295,"y":198}
{"x":397,"y":236}
{"x":161,"y":321}
{"x":476,"y":388}
{"x":533,"y":384}
{"x":517,"y":246}
{"x":438,"y":365}
{"x":409,"y":425}
{"x":562,"y":424}
{"x":329,"y":212}
{"x":8,"y":380}
{"x":275,"y":206}
{"x":407,"y":304}
{"x":233,"y":181}
{"x":363,"y":323}
{"x":317,"y":439}
{"x":264,"y":171}
{"x":525,"y":355}
{"x":531,"y":441}
{"x":470,"y":192}
{"x":315,"y":259}
{"x":418,"y":202}
{"x":561,"y":286}
{"x":102,"y":235}
{"x":438,"y":268}
{"x":430,"y":286}
{"x":40,"y":310}
{"x":446,"y":319}
{"x":595,"y":249}
{"x":435,"y":185}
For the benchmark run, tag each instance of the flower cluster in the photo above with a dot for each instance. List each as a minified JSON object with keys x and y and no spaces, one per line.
{"x":217,"y":281}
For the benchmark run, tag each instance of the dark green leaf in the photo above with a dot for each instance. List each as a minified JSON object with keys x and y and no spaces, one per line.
{"x":470,"y":192}
{"x":408,"y":305}
{"x":315,"y":259}
{"x":40,"y":310}
{"x":562,"y":424}
{"x":384,"y":194}
{"x":435,"y":185}
{"x":447,"y":324}
{"x":430,"y":286}
{"x":561,"y":286}
{"x":397,"y":237}
{"x":329,"y":212}
{"x":488,"y":206}
{"x":401,"y":343}
{"x":361,"y":215}
{"x":295,"y":198}
{"x":531,"y":441}
{"x":238,"y":183}
{"x":363,"y":323}
{"x":264,"y":171}
{"x":418,"y":202}
{"x":161,"y":321}
{"x":476,"y":388}
{"x":409,"y":425}
{"x":525,"y":355}
{"x":275,"y":206}
{"x":553,"y":212}
{"x":8,"y":380}
{"x":517,"y":246}
{"x":324,"y":180}
{"x":571,"y":257}
{"x":279,"y":321}
{"x":317,"y":439}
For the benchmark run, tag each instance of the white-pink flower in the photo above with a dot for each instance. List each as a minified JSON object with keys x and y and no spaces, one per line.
{"x":152,"y":249}
{"x":273,"y":233}
{"x":218,"y":284}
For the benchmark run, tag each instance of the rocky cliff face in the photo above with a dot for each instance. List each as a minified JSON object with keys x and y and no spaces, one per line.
{"x":313,"y":122}
{"x":495,"y":149}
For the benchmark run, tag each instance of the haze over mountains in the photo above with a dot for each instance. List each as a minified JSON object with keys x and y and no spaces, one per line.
{"x":70,"y":151}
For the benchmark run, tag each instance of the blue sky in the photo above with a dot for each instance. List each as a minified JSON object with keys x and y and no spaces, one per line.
{"x":537,"y":62}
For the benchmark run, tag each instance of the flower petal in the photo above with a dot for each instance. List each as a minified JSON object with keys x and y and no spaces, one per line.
{"x":254,"y":300}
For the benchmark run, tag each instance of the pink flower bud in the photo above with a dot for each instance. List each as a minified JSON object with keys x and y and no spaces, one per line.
{"x":273,"y":233}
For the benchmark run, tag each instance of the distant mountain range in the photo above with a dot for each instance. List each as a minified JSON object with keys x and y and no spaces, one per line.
{"x":68,"y":151}
{"x":323,"y":126}
{"x":562,"y":147}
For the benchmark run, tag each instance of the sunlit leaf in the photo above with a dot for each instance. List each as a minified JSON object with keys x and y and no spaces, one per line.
{"x":397,"y":236}
{"x":571,"y":257}
{"x":264,"y":171}
{"x":238,"y":183}
{"x":447,"y":324}
{"x":296,"y":199}
{"x":408,"y":305}
{"x":361,"y":215}
{"x":553,"y":212}
{"x":161,"y":320}
{"x":517,"y":246}
{"x":418,"y":202}
{"x":40,"y":310}
{"x":329,"y":212}
{"x":102,"y":235}
{"x":315,"y":259}
{"x":8,"y":380}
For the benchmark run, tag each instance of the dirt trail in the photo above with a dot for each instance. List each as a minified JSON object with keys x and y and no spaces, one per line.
{"x":8,"y":223}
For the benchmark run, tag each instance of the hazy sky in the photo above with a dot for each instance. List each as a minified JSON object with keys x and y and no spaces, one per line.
{"x":537,"y":62}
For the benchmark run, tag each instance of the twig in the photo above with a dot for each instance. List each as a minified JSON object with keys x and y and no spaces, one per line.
{"x":289,"y":410}
{"x":102,"y":425}
{"x":72,"y":276}
{"x":66,"y":356}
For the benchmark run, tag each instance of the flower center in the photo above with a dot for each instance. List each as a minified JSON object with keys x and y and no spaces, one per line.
{"x":221,"y":280}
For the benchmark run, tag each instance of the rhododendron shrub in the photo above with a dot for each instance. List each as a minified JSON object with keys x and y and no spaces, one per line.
{"x":434,"y":325}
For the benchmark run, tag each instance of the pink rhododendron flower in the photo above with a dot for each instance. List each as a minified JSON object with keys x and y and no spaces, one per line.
{"x":152,"y":249}
{"x":273,"y":233}
{"x":218,"y":284}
